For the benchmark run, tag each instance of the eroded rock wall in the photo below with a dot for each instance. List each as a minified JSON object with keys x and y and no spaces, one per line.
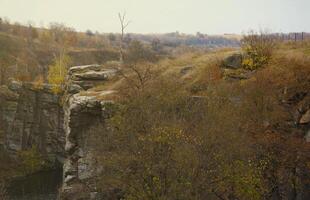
{"x":60,"y":126}
{"x":31,"y":115}
{"x":84,"y":116}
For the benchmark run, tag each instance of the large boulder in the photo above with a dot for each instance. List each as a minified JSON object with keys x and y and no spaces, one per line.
{"x":84,"y":68}
{"x":104,"y":74}
{"x":233,"y":61}
{"x":88,"y":76}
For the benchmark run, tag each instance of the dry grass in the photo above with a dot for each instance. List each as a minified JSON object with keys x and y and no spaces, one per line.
{"x":197,"y":70}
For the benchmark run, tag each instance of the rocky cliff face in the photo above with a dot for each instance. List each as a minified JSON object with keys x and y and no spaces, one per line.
{"x":31,"y":115}
{"x":84,"y":115}
{"x":59,"y":126}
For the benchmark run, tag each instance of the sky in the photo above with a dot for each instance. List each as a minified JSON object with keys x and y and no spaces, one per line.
{"x":162,"y":16}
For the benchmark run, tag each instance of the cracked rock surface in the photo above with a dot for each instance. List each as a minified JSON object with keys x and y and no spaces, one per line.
{"x":84,"y":111}
{"x":31,"y":115}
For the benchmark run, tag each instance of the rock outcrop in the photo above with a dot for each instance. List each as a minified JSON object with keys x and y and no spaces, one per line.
{"x":31,"y":114}
{"x":84,"y":115}
{"x":60,"y":126}
{"x":88,"y":76}
{"x":233,"y":61}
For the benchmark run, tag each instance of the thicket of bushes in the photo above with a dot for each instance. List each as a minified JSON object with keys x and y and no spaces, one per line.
{"x":232,"y":142}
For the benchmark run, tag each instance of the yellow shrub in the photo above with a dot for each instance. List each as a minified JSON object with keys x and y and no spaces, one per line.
{"x":258,"y":48}
{"x":58,"y":71}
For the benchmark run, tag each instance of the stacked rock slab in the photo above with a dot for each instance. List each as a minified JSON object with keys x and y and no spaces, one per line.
{"x":30,"y":115}
{"x":84,"y":113}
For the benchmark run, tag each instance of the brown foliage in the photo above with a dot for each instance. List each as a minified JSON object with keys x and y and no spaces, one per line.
{"x":166,"y":145}
{"x":233,"y":142}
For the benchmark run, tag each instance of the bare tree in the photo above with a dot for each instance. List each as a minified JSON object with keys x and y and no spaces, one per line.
{"x":124,"y":24}
{"x":137,"y":76}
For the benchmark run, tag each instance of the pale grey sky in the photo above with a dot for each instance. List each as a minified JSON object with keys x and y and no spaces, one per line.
{"x":158,"y":16}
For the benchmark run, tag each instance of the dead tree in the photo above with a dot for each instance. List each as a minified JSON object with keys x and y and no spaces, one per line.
{"x":124,"y":23}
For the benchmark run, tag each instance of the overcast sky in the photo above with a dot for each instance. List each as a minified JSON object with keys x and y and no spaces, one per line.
{"x":159,"y":16}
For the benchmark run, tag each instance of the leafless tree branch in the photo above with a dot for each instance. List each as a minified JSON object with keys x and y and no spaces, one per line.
{"x":124,"y":25}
